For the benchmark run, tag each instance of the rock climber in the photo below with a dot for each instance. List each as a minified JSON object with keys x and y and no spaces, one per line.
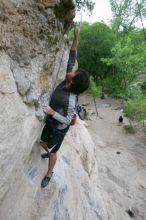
{"x":61,"y":109}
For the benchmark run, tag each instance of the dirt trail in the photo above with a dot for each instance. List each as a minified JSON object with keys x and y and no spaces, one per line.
{"x":121,"y":160}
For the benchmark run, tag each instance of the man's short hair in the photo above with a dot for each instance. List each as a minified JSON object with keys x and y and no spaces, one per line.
{"x":80,"y":82}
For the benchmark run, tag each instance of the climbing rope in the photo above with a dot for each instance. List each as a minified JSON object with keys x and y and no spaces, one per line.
{"x":59,"y":68}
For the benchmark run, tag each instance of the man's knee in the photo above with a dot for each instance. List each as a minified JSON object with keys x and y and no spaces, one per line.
{"x":43,"y":144}
{"x":53,"y":155}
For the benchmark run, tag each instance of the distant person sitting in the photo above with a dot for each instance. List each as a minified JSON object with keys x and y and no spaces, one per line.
{"x":120,"y":119}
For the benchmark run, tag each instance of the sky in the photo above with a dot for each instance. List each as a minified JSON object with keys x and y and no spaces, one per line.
{"x":102,"y":12}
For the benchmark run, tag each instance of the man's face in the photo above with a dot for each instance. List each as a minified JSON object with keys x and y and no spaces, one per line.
{"x":71,"y":74}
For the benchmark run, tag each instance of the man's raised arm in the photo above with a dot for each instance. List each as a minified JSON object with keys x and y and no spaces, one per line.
{"x":73,"y":53}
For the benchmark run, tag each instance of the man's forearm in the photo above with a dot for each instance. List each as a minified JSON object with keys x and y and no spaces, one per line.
{"x":74,"y":44}
{"x":73,"y":54}
{"x":75,"y":40}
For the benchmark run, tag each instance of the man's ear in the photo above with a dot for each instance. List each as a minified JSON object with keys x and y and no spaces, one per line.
{"x":72,"y":81}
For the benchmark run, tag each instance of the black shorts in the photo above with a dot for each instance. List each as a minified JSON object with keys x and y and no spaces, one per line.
{"x":53,"y":137}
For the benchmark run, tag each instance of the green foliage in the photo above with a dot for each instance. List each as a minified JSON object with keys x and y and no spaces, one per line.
{"x":85,"y":4}
{"x":94,"y":90}
{"x":113,"y":86}
{"x":136,"y":109}
{"x":134,"y":91}
{"x":127,"y":62}
{"x":129,"y":129}
{"x":126,"y":13}
{"x":143,"y":87}
{"x":95,"y":41}
{"x":71,"y":35}
{"x":115,"y":56}
{"x":117,"y":65}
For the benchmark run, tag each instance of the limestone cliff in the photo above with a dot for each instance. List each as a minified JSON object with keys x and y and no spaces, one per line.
{"x":32,"y":46}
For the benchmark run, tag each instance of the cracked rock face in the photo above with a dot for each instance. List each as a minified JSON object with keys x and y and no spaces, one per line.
{"x":32,"y":51}
{"x":31,"y":35}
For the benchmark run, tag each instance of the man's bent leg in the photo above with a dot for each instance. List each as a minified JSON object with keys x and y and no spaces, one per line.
{"x":55,"y":143}
{"x":44,"y":146}
{"x":45,"y":137}
{"x":51,"y":164}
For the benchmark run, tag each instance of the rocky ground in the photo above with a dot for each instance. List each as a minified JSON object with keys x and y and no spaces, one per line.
{"x":121,"y":159}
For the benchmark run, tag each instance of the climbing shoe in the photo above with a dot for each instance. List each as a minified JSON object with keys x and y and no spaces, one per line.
{"x":45,"y":181}
{"x":45,"y":155}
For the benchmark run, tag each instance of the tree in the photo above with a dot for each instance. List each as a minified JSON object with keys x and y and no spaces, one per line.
{"x":128,"y":65}
{"x":95,"y":42}
{"x":126,"y":13}
{"x":88,"y":4}
{"x":136,"y":109}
